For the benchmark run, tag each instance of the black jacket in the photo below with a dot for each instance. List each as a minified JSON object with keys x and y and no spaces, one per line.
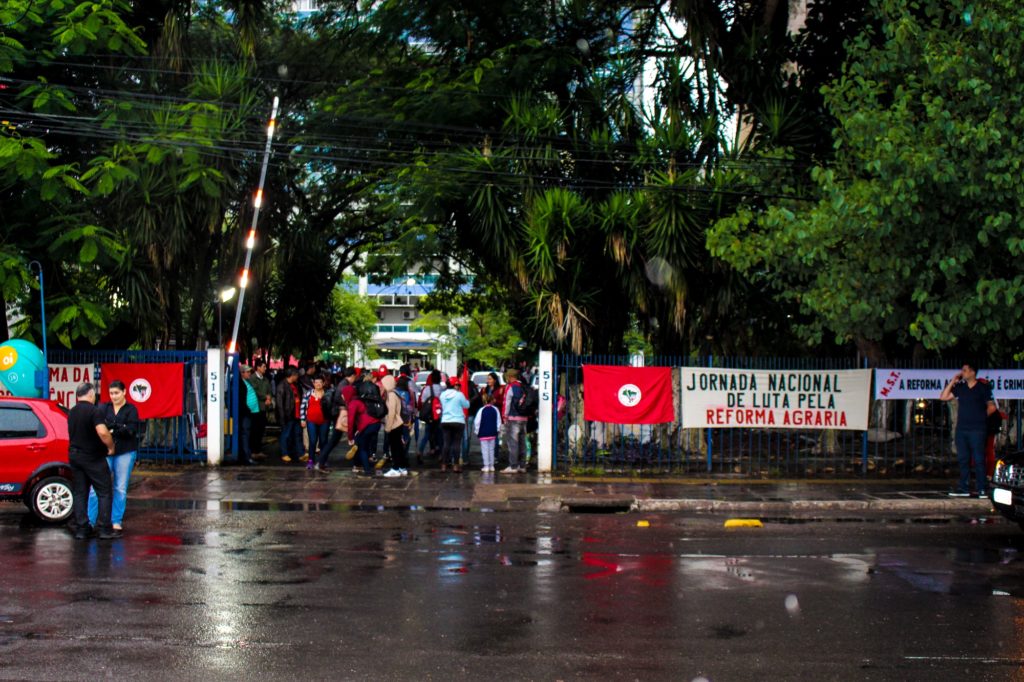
{"x":285,"y":402}
{"x":125,"y":427}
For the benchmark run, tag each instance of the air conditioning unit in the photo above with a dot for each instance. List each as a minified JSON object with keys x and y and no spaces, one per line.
{"x":409,"y":315}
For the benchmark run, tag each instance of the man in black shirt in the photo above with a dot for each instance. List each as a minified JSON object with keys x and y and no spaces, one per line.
{"x":975,"y":404}
{"x":90,"y":443}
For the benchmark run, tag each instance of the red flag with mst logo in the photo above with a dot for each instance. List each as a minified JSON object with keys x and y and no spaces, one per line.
{"x":628,"y":395}
{"x":155,"y":389}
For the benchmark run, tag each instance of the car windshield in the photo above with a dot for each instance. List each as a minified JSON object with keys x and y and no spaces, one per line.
{"x":421,"y":377}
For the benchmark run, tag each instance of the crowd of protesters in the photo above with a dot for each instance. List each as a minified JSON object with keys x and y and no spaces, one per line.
{"x":380,"y":417}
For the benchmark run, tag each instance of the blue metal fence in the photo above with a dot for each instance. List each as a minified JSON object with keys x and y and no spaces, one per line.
{"x":905,"y":438}
{"x":175,"y":439}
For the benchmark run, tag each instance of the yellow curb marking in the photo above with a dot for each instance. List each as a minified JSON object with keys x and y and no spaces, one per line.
{"x":744,"y":523}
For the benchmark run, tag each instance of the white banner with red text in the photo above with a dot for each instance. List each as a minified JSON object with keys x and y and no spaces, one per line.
{"x":775,"y":399}
{"x":64,"y":379}
{"x":927,"y":384}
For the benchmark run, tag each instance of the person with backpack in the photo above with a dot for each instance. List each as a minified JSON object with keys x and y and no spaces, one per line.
{"x":516,"y":419}
{"x":430,"y":415}
{"x":405,"y":388}
{"x":315,"y":417}
{"x":394,"y":428}
{"x":453,"y":424}
{"x":339,"y":415}
{"x":487,"y":425}
{"x":406,"y":372}
{"x":366,"y":409}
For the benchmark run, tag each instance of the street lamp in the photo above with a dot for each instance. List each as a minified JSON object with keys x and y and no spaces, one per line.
{"x":223,"y":296}
{"x":37,"y":267}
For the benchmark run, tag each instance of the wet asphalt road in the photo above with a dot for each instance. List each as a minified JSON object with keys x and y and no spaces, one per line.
{"x":408,"y":595}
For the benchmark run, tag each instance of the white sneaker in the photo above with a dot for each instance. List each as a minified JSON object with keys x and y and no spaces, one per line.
{"x":392,"y":473}
{"x":509,"y":470}
{"x":403,"y":472}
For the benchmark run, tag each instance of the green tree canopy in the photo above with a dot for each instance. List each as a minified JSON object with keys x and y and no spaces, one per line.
{"x":912,"y":233}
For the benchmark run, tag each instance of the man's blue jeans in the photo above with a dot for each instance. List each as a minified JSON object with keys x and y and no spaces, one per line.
{"x":970,"y":452}
{"x":431,"y":436}
{"x":120,"y":472}
{"x":244,"y":437}
{"x":291,"y":438}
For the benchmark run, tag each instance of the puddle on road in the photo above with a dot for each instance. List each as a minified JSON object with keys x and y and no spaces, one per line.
{"x":238,"y":505}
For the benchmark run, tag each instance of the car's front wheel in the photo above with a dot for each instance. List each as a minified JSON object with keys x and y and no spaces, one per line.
{"x":51,"y":500}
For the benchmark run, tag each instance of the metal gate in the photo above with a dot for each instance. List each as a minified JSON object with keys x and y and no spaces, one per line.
{"x":174,"y":439}
{"x":906,"y":438}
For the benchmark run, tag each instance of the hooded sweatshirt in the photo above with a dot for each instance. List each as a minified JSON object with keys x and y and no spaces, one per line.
{"x":394,"y":418}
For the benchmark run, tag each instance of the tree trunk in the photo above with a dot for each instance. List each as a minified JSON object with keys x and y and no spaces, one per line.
{"x":872,"y":350}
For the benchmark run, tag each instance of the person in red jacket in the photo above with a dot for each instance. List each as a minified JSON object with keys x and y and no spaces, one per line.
{"x":363,"y":431}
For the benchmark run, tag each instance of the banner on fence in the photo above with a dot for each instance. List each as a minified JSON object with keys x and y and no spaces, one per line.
{"x":156,"y":389}
{"x":776,"y":399}
{"x":911,"y":384}
{"x":628,"y":395}
{"x":64,"y":379}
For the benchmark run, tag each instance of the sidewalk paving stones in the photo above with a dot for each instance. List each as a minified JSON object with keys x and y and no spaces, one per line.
{"x":293,"y":488}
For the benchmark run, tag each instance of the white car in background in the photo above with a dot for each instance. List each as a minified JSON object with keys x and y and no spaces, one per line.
{"x":421,"y":377}
{"x":480,"y":378}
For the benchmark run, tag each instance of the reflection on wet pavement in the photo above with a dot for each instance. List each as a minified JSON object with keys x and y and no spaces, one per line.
{"x":470,"y":595}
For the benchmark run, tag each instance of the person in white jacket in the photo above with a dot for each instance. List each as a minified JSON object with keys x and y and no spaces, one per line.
{"x":487,"y":426}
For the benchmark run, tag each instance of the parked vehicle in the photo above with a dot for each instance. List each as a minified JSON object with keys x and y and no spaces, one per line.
{"x":480,"y":378}
{"x":34,"y":457}
{"x":421,"y":377}
{"x":1008,"y":486}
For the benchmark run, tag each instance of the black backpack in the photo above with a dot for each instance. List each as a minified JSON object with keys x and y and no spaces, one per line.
{"x":337,"y":401}
{"x":529,"y":402}
{"x":371,"y":397}
{"x":430,"y":409}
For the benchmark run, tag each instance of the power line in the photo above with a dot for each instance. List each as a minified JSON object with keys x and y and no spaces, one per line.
{"x":420,"y":145}
{"x":24,"y":13}
{"x":78,"y":127}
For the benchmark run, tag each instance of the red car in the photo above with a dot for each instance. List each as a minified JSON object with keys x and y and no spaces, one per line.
{"x":34,"y":457}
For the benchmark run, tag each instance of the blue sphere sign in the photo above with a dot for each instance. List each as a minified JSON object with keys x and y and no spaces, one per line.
{"x":20,"y":361}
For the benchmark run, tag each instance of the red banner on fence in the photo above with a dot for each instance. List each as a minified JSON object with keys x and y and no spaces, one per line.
{"x":628,"y":395}
{"x":156,"y":389}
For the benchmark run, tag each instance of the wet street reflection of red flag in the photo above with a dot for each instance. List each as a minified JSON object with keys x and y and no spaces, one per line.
{"x":628,"y":395}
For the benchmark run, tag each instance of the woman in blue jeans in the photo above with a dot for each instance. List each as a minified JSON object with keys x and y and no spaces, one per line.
{"x":123,"y":421}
